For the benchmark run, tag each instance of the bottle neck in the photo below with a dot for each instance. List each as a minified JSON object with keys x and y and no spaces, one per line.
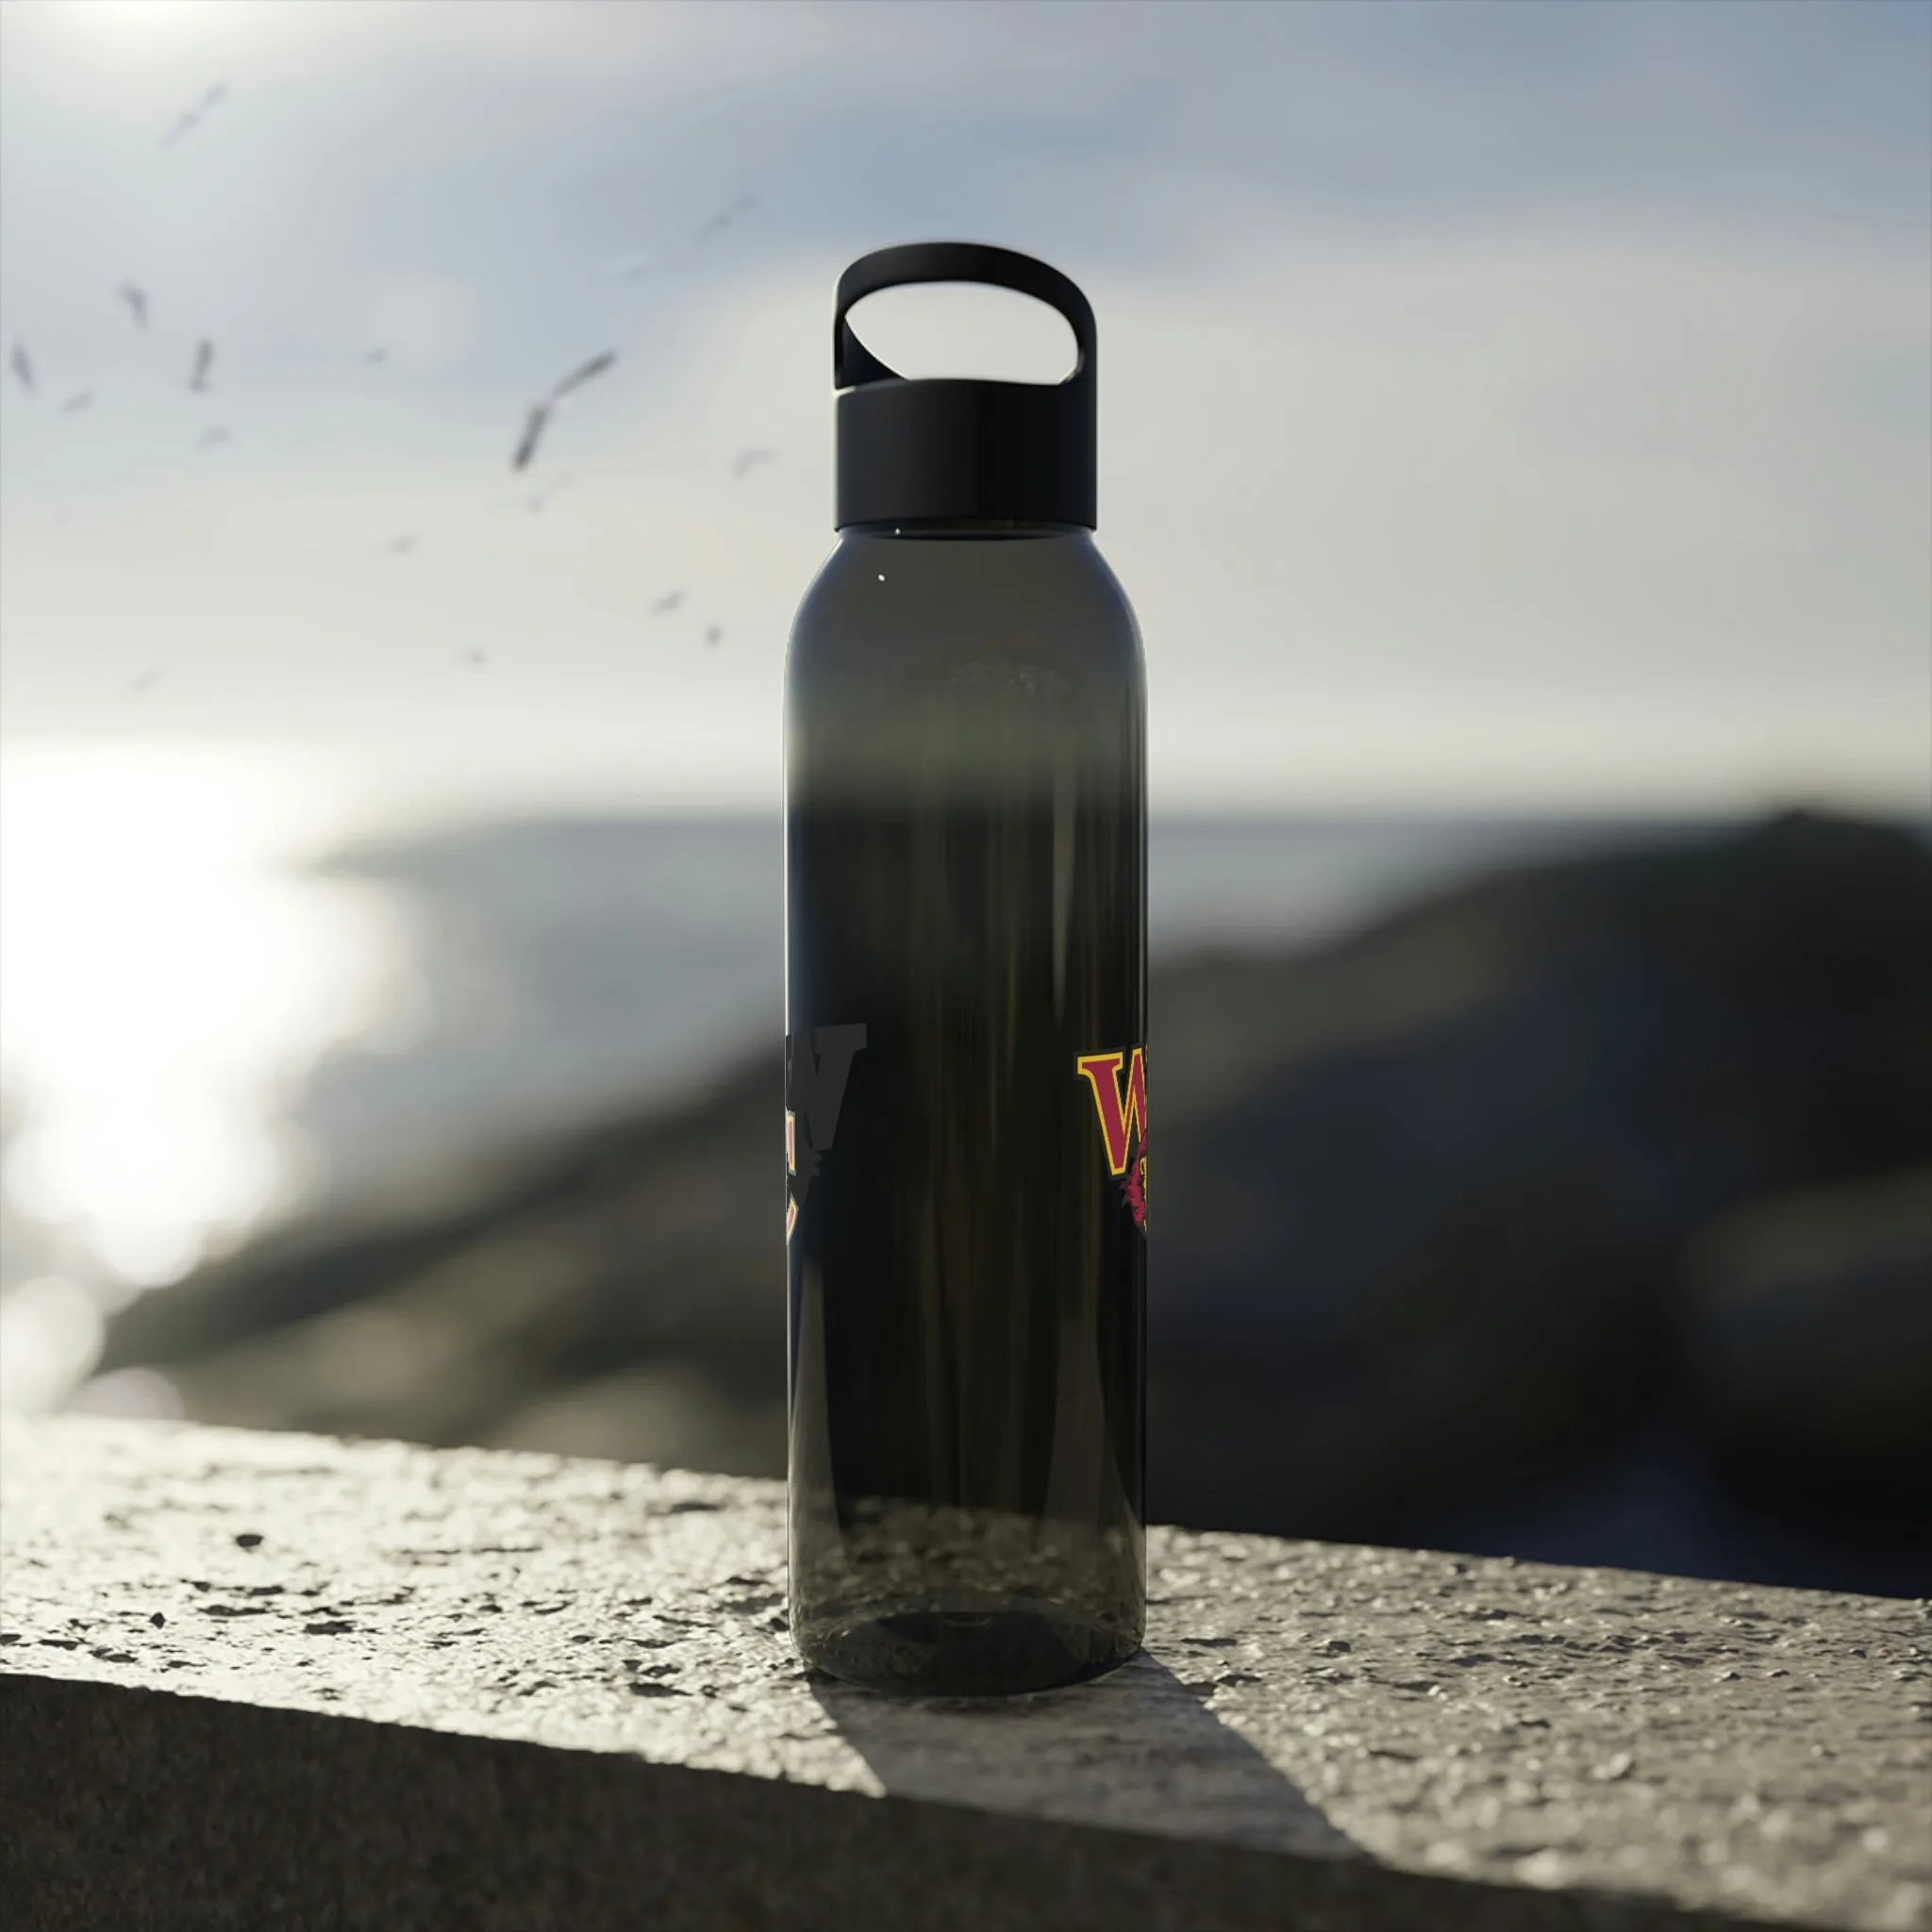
{"x":928,"y":529}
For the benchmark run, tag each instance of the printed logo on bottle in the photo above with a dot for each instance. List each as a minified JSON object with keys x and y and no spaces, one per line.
{"x":1119,"y":1082}
{"x":817,"y":1066}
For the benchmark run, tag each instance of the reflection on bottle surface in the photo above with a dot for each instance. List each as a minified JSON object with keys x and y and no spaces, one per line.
{"x":966,"y":1113}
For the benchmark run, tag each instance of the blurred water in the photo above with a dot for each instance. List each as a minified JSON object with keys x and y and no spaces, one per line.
{"x":205,"y":1028}
{"x":581,"y":966}
{"x":168,"y":975}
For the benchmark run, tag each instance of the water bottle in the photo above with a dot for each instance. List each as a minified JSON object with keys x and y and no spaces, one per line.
{"x":966,"y":1003}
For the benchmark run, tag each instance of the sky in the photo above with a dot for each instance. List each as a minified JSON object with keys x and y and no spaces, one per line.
{"x":1503,"y":406}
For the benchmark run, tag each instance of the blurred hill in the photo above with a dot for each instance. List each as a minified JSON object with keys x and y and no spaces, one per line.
{"x":1584,"y":1210}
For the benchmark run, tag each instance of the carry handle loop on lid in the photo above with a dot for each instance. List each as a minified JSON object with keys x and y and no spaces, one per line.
{"x":854,"y":364}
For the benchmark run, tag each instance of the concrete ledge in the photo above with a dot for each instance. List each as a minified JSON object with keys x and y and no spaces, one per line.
{"x":284,"y":1680}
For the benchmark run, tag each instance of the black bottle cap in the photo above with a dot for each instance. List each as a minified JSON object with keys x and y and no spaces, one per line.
{"x":947,"y":447}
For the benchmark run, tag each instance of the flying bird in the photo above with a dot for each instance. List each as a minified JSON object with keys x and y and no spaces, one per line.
{"x":208,"y":438}
{"x":631,"y":266}
{"x":144,"y":683}
{"x":375,"y":357}
{"x":731,"y":212}
{"x":746,"y":460}
{"x":136,"y":300}
{"x":204,"y":361}
{"x":77,"y":401}
{"x":22,"y":365}
{"x":714,"y":636}
{"x":541,"y":413}
{"x":401,"y":546}
{"x":476,"y":657}
{"x":667,"y":603}
{"x":192,"y":120}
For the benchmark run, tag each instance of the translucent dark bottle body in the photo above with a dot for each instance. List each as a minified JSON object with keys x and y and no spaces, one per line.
{"x":966,"y":1111}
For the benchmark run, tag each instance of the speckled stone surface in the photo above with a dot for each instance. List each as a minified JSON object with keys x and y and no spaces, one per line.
{"x":505,"y":1690}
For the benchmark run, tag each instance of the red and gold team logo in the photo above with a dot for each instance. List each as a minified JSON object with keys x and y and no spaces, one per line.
{"x":1119,"y":1081}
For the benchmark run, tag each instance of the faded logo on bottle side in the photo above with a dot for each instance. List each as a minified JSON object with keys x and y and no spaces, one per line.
{"x":818,"y":1064}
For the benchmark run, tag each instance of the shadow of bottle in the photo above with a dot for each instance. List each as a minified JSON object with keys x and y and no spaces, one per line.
{"x":1135,"y":1751}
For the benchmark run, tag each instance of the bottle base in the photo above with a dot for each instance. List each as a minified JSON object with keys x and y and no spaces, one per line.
{"x":981,"y":1650}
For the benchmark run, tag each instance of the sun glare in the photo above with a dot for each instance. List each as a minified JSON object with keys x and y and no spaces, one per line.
{"x":165,"y":979}
{"x":126,"y":20}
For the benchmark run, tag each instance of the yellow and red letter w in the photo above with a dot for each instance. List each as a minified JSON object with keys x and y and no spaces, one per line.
{"x":1120,"y":1104}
